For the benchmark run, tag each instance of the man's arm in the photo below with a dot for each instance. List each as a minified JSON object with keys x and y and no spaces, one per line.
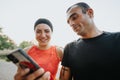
{"x":65,"y":73}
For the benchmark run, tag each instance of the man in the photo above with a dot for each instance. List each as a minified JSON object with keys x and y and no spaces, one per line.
{"x":96,"y":54}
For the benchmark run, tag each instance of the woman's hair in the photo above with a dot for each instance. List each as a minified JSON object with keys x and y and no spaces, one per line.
{"x":44,"y":21}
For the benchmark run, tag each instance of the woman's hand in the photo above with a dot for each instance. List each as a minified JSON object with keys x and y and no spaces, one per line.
{"x":22,"y":74}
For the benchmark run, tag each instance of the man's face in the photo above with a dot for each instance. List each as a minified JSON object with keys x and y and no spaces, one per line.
{"x":78,"y":20}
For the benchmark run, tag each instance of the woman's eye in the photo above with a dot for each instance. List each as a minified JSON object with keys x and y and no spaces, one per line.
{"x":47,"y":31}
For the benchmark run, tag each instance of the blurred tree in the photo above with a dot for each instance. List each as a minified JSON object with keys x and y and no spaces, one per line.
{"x":0,"y":30}
{"x":25,"y":44}
{"x":6,"y":42}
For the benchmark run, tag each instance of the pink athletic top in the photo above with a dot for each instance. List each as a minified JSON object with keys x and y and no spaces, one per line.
{"x":47,"y":59}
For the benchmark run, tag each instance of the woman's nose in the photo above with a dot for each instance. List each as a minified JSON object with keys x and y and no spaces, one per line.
{"x":43,"y":34}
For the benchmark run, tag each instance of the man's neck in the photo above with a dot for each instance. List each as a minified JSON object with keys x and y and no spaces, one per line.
{"x":92,"y":33}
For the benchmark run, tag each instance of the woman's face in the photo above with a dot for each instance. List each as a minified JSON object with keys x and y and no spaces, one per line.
{"x":43,"y":34}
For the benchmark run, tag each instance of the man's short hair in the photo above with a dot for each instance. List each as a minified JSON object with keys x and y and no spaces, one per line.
{"x":84,"y":6}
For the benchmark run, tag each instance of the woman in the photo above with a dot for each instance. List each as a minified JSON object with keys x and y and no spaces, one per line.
{"x":46,"y":55}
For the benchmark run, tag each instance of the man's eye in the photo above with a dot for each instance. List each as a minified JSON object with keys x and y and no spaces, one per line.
{"x":38,"y":31}
{"x":74,"y":17}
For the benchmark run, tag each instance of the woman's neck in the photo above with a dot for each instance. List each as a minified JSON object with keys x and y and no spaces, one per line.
{"x":44,"y":47}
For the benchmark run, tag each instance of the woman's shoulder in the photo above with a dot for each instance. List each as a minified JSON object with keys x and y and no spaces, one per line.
{"x":59,"y":50}
{"x":29,"y":47}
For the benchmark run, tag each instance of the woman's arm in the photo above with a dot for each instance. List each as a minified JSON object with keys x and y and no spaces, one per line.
{"x":60,"y":52}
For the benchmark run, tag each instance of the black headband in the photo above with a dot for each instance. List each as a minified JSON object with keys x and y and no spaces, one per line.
{"x":45,"y":21}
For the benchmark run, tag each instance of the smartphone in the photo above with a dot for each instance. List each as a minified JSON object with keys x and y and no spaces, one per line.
{"x":20,"y":58}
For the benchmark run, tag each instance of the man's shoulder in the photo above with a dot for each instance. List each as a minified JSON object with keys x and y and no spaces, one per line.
{"x":73,"y":43}
{"x":117,"y":33}
{"x":112,"y":33}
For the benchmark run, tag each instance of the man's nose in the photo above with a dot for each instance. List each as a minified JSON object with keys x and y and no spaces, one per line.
{"x":71,"y":23}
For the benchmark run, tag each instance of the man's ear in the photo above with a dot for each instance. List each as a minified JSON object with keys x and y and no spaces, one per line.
{"x":90,"y":12}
